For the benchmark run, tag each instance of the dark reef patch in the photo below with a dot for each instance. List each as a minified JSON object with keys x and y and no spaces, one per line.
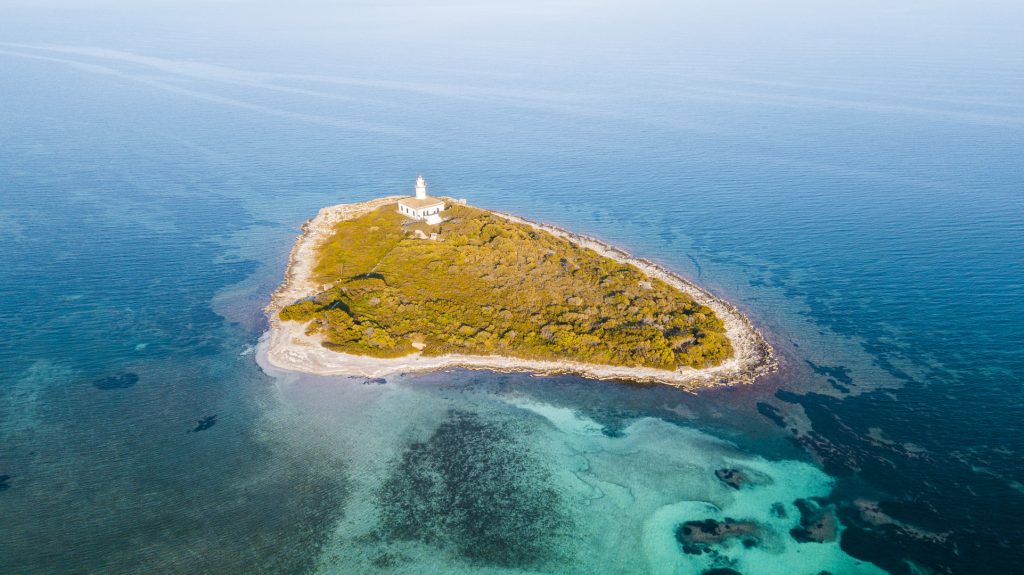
{"x":817,"y":523}
{"x":699,"y":537}
{"x":3,"y":482}
{"x":475,"y":488}
{"x":613,"y":432}
{"x":737,"y":478}
{"x":771,"y":412}
{"x":732,"y":477}
{"x":778,"y":509}
{"x":119,"y":381}
{"x":205,"y":423}
{"x":891,"y":441}
{"x":839,"y":372}
{"x":835,"y":385}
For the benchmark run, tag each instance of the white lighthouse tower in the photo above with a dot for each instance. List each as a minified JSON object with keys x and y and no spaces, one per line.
{"x":421,"y":188}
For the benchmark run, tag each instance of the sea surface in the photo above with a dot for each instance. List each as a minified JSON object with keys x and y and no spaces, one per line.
{"x":851,"y":175}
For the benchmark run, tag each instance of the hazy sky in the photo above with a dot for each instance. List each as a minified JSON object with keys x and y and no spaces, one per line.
{"x":730,"y":24}
{"x":555,"y":43}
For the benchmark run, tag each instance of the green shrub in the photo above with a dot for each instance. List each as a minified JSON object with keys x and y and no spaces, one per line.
{"x":301,"y":311}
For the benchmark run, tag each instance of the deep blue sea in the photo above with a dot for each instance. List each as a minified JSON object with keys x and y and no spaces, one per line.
{"x":851,"y":175}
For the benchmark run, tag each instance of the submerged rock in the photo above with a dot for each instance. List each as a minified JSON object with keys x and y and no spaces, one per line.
{"x":872,"y":513}
{"x":817,"y":524}
{"x":3,"y":482}
{"x":737,"y":478}
{"x":698,"y":537}
{"x":612,"y":431}
{"x":205,"y":423}
{"x":712,"y":531}
{"x":119,"y":381}
{"x":732,"y":477}
{"x":778,"y":509}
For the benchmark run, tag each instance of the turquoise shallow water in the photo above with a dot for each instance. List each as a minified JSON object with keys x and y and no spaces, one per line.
{"x":850,"y":177}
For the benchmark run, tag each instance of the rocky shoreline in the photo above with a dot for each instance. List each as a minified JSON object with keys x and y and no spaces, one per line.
{"x":286,"y":346}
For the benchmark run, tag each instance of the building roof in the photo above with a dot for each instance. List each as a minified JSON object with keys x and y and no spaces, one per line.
{"x":420,"y":204}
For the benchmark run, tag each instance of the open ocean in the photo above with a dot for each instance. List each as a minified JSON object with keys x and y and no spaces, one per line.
{"x":851,"y":176}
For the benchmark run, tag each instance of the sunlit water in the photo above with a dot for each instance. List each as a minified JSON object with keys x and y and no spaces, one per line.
{"x":852,"y":178}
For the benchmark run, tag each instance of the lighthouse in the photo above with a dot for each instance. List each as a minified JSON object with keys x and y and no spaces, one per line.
{"x":421,"y":206}
{"x":421,"y":188}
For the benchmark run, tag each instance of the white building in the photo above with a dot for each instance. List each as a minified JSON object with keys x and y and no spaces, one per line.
{"x":422,"y":206}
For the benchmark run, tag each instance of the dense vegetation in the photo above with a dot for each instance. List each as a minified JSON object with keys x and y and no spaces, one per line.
{"x":490,"y":286}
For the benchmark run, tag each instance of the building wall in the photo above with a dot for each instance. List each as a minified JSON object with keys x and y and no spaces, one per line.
{"x":419,"y":214}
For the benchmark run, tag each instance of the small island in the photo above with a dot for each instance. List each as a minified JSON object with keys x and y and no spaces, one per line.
{"x":407,"y":284}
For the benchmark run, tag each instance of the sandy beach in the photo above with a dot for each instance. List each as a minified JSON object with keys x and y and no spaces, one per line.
{"x":286,"y":346}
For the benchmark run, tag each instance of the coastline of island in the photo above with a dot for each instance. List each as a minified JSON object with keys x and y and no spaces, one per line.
{"x":286,"y":346}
